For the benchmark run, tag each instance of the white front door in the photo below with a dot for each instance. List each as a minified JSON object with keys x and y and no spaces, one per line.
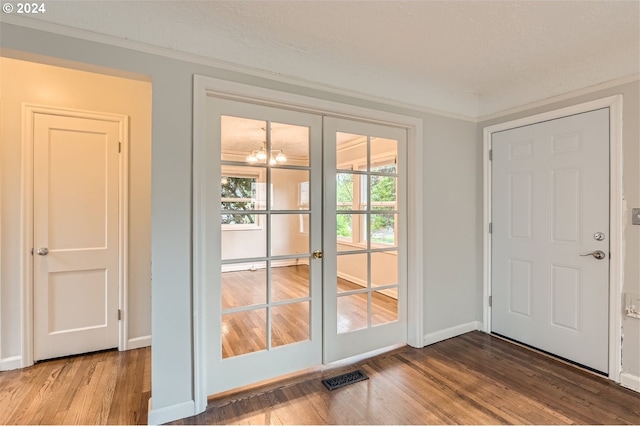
{"x":550,"y":240}
{"x":264,"y":221}
{"x":365,"y":238}
{"x":76,"y":244}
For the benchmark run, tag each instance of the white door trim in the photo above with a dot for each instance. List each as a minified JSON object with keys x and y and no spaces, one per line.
{"x":26,"y":225}
{"x":208,"y":86}
{"x":616,"y":227}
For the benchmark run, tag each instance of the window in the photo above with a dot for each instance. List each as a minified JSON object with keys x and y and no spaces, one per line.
{"x":240,"y":197}
{"x":353,"y":193}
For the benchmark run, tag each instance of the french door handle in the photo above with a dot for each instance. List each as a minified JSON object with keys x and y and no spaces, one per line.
{"x":317,"y":254}
{"x":43,"y":251}
{"x":598,"y":254}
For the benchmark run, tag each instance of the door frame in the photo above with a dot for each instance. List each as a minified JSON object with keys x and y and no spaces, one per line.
{"x":26,"y":220}
{"x":616,"y":208}
{"x":204,"y":87}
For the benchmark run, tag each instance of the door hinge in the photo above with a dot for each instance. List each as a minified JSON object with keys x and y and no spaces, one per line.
{"x":119,"y":315}
{"x":490,"y":227}
{"x":490,"y":155}
{"x":119,"y":147}
{"x":490,"y":301}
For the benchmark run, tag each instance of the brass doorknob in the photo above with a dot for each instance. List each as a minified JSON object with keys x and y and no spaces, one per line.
{"x":317,"y":254}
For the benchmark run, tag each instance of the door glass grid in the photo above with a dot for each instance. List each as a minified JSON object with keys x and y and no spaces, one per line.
{"x":366,"y":231}
{"x":265,"y":215}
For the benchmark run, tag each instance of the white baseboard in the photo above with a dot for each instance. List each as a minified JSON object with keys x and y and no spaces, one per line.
{"x":139,"y":342}
{"x":11,"y":363}
{"x":236,"y":267}
{"x":448,"y":333}
{"x":170,"y":413}
{"x":630,"y":381}
{"x":351,"y":278}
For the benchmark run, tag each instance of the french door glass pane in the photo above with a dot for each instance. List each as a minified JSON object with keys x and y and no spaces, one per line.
{"x":350,"y":149}
{"x":244,"y":284}
{"x":287,"y":235}
{"x":289,"y":144}
{"x":289,"y":323}
{"x":383,"y":228}
{"x":352,"y":271}
{"x":290,"y":281}
{"x":244,"y":236}
{"x":240,"y":137}
{"x":290,"y":189}
{"x":244,"y":332}
{"x":384,"y":306}
{"x":384,"y":268}
{"x":352,"y":312}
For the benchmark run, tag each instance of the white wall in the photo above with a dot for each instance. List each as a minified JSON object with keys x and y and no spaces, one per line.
{"x":451,"y":172}
{"x":26,"y":82}
{"x":450,"y":226}
{"x":631,"y":195}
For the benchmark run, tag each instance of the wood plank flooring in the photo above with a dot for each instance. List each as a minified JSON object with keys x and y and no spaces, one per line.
{"x":108,"y":387}
{"x":470,"y":379}
{"x":246,"y":331}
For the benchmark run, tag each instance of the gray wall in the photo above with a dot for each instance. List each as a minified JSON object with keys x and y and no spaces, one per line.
{"x":451,"y":172}
{"x":631,"y":195}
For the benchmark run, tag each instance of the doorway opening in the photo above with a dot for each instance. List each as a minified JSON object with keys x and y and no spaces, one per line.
{"x":41,"y":93}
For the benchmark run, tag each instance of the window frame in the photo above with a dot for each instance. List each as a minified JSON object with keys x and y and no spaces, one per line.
{"x":259,"y":203}
{"x":359,"y":230}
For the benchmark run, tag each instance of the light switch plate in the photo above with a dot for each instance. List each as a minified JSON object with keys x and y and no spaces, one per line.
{"x":635,"y":216}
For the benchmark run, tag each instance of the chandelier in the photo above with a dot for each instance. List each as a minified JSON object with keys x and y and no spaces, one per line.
{"x":260,"y":155}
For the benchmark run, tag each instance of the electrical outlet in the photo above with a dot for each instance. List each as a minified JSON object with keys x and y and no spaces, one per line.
{"x":635,"y":216}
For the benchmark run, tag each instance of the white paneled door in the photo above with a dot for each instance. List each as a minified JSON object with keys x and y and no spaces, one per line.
{"x":76,"y":235}
{"x":550,"y":240}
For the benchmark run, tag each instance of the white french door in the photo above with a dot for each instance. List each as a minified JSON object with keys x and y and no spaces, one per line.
{"x":550,"y":241}
{"x":293,"y":284}
{"x":265,"y":218}
{"x":365,"y":238}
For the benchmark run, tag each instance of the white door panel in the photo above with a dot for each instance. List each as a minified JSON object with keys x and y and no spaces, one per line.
{"x":76,"y":259}
{"x":365,"y":278}
{"x":550,"y":195}
{"x":264,"y":222}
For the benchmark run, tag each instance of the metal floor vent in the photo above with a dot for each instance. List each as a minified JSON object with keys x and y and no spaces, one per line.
{"x":344,"y":379}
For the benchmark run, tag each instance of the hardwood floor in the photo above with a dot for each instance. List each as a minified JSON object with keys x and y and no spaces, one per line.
{"x":246,"y":331}
{"x":470,"y":379}
{"x":108,"y":387}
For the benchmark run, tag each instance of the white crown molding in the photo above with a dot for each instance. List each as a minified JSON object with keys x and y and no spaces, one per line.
{"x":63,"y":30}
{"x":563,"y":97}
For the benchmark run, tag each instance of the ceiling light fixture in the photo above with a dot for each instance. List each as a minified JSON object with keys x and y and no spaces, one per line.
{"x":260,"y":155}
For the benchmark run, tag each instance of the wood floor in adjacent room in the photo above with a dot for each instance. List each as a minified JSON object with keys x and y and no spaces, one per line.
{"x":108,"y":387}
{"x":470,"y":379}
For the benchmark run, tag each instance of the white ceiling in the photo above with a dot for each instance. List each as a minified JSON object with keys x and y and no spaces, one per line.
{"x":471,"y":58}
